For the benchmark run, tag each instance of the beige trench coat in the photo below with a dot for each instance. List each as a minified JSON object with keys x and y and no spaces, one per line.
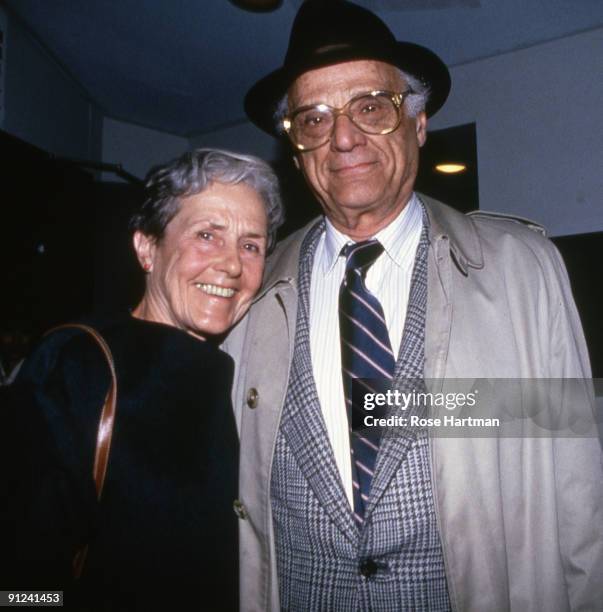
{"x":521,"y":519}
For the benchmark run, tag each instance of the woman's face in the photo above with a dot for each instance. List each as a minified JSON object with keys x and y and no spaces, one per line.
{"x":205,"y":271}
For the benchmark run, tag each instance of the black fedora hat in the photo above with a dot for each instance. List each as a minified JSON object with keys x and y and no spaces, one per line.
{"x":327,"y":32}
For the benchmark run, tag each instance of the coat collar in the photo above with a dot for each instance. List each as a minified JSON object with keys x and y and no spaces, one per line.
{"x":445,"y":224}
{"x":449,"y":224}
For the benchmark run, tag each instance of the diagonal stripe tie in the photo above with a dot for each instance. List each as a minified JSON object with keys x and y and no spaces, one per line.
{"x":365,"y":353}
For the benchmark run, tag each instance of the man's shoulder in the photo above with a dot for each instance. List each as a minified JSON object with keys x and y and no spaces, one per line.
{"x":505,"y":222}
{"x":481,"y":220}
{"x":480,"y":232}
{"x":513,"y":237}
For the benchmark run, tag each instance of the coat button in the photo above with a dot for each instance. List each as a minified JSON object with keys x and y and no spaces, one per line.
{"x":368,"y":568}
{"x":239,"y":509}
{"x":253,"y":397}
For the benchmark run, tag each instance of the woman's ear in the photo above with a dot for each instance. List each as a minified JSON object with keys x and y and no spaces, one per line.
{"x":145,"y":250}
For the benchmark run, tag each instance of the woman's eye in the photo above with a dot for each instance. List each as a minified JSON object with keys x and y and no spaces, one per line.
{"x":205,"y":235}
{"x":254,"y":248}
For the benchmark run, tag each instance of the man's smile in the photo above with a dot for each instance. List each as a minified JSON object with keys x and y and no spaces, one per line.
{"x":353,"y":168}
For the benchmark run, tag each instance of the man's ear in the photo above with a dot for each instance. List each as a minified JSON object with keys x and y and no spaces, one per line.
{"x":145,"y":250}
{"x":421,"y":126}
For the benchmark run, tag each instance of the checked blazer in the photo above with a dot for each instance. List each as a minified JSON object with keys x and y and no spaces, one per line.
{"x":322,"y":556}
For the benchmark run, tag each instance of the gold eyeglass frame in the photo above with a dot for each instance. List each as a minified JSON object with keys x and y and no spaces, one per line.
{"x":396,"y":98}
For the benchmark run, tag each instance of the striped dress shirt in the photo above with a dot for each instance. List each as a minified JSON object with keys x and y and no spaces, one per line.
{"x":389,"y":280}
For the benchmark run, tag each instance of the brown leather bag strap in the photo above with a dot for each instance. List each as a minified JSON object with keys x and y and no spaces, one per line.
{"x":105,"y":428}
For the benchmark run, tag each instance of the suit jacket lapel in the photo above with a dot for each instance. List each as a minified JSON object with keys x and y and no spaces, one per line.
{"x":302,"y":423}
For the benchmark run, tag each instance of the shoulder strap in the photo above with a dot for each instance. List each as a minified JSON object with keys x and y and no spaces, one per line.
{"x":107,"y":418}
{"x":105,"y":428}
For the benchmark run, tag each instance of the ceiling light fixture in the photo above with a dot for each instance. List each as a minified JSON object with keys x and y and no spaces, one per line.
{"x":451,"y":168}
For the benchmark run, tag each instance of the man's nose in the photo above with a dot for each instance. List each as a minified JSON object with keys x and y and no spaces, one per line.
{"x":346,"y":135}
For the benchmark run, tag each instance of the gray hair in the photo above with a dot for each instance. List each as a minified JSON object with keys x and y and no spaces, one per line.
{"x":413,"y":104}
{"x":194,"y":172}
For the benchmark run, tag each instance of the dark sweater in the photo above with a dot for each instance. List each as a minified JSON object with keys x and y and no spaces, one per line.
{"x":164,"y":532}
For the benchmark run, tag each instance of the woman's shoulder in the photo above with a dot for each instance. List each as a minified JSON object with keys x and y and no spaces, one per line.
{"x":134,"y":345}
{"x":160,"y":345}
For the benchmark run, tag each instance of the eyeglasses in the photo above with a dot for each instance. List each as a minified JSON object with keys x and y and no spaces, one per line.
{"x":375,"y":112}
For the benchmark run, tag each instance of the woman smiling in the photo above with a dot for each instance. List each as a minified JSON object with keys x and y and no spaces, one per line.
{"x":164,"y":531}
{"x":206,"y":266}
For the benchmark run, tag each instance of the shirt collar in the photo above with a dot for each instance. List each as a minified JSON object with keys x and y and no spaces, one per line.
{"x":334,"y":242}
{"x":396,"y":238}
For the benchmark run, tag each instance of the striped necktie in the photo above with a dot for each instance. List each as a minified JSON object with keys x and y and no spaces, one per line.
{"x":365,"y":353}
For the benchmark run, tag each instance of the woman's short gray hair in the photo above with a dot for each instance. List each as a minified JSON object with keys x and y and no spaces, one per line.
{"x":414,"y":103}
{"x":194,"y":172}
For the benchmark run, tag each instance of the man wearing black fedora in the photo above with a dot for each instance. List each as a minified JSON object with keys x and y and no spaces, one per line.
{"x":393,"y":286}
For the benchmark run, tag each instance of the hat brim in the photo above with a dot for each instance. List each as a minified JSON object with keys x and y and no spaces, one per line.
{"x":261,"y":100}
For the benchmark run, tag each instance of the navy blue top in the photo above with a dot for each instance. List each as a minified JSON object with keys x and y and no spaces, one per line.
{"x":164,"y":532}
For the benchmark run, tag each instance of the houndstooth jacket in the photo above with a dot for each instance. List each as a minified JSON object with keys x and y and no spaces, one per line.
{"x":323,"y":558}
{"x":520,"y":519}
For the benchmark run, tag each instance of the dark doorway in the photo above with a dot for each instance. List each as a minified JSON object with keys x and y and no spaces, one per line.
{"x":62,"y":240}
{"x":452,"y":145}
{"x":582,"y":256}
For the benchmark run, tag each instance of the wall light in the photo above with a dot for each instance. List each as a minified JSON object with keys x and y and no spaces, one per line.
{"x":451,"y":168}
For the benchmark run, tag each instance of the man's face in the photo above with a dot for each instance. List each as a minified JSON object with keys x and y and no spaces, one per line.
{"x":363,"y":181}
